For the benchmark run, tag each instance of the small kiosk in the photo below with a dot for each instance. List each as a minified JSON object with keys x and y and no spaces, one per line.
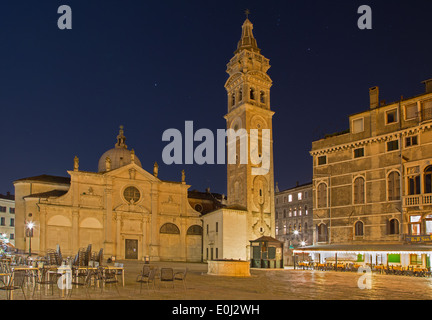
{"x":266,"y":252}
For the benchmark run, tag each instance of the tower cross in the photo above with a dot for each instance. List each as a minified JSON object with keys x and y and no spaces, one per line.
{"x":247,"y":12}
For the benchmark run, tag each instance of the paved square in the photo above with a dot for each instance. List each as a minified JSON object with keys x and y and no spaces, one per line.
{"x":264,"y":284}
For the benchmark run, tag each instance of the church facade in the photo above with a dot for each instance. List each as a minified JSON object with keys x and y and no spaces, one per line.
{"x":122,"y":209}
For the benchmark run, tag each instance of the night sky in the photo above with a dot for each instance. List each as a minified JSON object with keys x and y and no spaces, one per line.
{"x":152,"y":65}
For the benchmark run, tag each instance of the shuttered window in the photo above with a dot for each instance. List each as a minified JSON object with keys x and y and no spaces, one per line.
{"x":322,"y":195}
{"x":411,"y":111}
{"x":393,"y":186}
{"x":427,"y":110}
{"x":359,"y":190}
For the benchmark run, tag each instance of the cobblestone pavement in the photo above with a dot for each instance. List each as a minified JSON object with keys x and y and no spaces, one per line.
{"x":269,"y":284}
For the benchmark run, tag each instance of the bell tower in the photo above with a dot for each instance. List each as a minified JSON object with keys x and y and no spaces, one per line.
{"x":248,"y":92}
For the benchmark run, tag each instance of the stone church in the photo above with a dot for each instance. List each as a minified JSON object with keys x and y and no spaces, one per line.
{"x":131,"y":213}
{"x":122,"y":209}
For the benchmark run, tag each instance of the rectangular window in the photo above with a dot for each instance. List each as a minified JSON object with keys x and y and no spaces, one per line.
{"x":415,"y":259}
{"x":411,"y":141}
{"x":393,"y":145}
{"x":299,"y":196}
{"x":415,"y":225}
{"x":413,"y":185}
{"x":2,"y":209}
{"x":357,"y":125}
{"x":11,"y":210}
{"x":12,"y":236}
{"x":217,"y":253}
{"x":2,"y":221}
{"x":322,"y":160}
{"x":411,"y":111}
{"x":12,"y":222}
{"x":359,"y":152}
{"x":217,"y":226}
{"x":290,"y":198}
{"x":207,"y":229}
{"x":391,"y":116}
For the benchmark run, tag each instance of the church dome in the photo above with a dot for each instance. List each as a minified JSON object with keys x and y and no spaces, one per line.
{"x":118,"y":156}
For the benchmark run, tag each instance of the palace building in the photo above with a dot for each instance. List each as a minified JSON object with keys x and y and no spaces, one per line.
{"x":122,"y":209}
{"x":372,"y":185}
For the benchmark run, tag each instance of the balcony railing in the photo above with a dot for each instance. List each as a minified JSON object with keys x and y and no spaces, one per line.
{"x":418,"y":200}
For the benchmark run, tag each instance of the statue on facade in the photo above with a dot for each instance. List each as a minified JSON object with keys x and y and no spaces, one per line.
{"x":76,"y":163}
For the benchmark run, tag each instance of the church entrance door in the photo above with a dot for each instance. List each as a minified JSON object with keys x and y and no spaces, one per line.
{"x":131,"y":249}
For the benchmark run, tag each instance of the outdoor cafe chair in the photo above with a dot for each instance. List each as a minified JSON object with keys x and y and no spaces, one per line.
{"x":16,"y":280}
{"x":147,"y":278}
{"x":181,"y":276}
{"x":107,"y":277}
{"x":47,"y":278}
{"x":166,"y":275}
{"x":86,"y":283}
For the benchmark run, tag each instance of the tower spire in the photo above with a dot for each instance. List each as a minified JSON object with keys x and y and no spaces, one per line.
{"x":247,"y":40}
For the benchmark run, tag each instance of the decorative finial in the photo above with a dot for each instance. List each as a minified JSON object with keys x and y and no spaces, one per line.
{"x":121,"y":139}
{"x":155,"y":169}
{"x":183,"y":176}
{"x":132,"y":156}
{"x":76,"y":163}
{"x":107,"y":164}
{"x":247,"y":12}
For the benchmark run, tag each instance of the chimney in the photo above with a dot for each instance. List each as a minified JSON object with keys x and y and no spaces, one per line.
{"x":374,"y":97}
{"x":428,"y":85}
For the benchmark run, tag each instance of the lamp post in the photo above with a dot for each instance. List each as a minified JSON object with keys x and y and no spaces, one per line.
{"x":29,"y":234}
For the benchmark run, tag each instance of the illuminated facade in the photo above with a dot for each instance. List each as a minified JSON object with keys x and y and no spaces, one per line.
{"x":122,"y":209}
{"x":250,"y":212}
{"x":373,"y":185}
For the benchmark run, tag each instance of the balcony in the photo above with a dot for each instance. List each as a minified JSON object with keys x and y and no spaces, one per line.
{"x":418,"y":200}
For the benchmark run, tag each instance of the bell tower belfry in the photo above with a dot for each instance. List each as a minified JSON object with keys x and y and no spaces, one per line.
{"x":248,"y":92}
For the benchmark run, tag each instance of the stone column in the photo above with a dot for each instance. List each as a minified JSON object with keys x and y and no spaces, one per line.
{"x":108,"y":218}
{"x":42,"y":231}
{"x":154,"y":232}
{"x":118,"y":252}
{"x":145,"y":238}
{"x":75,"y":230}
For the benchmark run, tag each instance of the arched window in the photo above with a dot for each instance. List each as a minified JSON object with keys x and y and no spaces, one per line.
{"x":169,"y":228}
{"x":322,"y":195}
{"x":262,"y":95}
{"x":413,"y":180}
{"x":428,"y":179}
{"x":233,"y":99}
{"x":252,"y":93}
{"x":194,"y":230}
{"x":322,"y":232}
{"x":393,"y":186}
{"x":305,"y":227}
{"x":240,"y":98}
{"x":393,"y":226}
{"x":359,"y":190}
{"x":358,"y":228}
{"x":284,"y":213}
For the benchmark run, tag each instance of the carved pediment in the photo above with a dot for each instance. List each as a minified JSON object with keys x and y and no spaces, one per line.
{"x":131,"y":208}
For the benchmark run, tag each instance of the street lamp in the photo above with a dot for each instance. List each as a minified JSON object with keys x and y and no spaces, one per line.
{"x":29,"y":234}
